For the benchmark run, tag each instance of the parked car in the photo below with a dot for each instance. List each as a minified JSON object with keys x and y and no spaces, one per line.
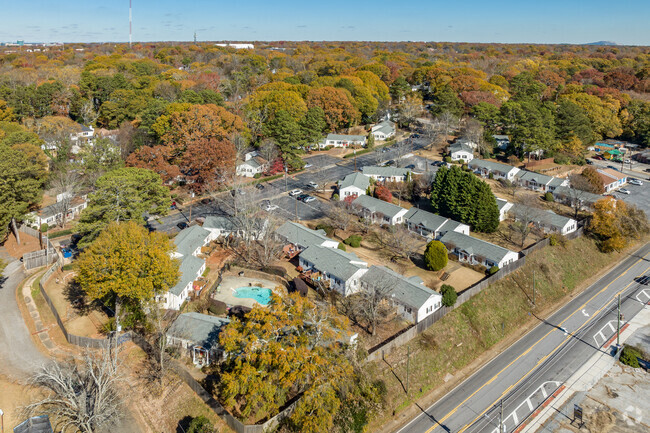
{"x":308,"y":165}
{"x":612,"y":167}
{"x":312,"y":185}
{"x":636,"y":182}
{"x":627,"y":161}
{"x":410,"y":166}
{"x":309,"y":199}
{"x":624,"y":191}
{"x":295,"y":192}
{"x":234,"y":192}
{"x":390,"y":162}
{"x":259,"y":186}
{"x":438,"y":163}
{"x":599,"y":157}
{"x":301,"y":197}
{"x":589,"y":162}
{"x":182,"y":225}
{"x":270,"y":207}
{"x":206,"y":201}
{"x":384,"y":149}
{"x":645,"y":280}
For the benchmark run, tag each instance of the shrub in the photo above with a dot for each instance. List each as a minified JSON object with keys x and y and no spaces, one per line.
{"x":217,"y":308}
{"x":493,"y":270}
{"x":449,"y":295}
{"x":549,"y":197}
{"x":490,"y":175}
{"x":630,"y":356}
{"x":561,"y":159}
{"x":354,"y":241}
{"x":383,"y":193}
{"x":329,"y":230}
{"x":257,"y":175}
{"x":200,"y":424}
{"x":557,"y":239}
{"x":206,"y":272}
{"x":342,"y":247}
{"x":436,"y":255}
{"x":67,"y":267}
{"x":44,"y":227}
{"x":448,"y":159}
{"x":335,"y":197}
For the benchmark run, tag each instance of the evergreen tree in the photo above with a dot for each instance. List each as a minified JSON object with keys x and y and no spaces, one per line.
{"x":312,"y":125}
{"x":446,"y":99}
{"x":287,"y":133}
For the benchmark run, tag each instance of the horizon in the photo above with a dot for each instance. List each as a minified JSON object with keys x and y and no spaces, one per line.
{"x":552,"y":23}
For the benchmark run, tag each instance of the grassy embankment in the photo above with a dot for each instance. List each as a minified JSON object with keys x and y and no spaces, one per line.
{"x":502,"y":311}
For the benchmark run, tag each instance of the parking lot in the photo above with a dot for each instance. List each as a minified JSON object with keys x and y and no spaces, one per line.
{"x":638,"y":196}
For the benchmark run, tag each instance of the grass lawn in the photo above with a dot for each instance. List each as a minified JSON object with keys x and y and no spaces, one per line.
{"x":500,"y":311}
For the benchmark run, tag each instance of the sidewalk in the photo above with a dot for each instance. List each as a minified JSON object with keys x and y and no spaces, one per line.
{"x":41,"y":331}
{"x":587,"y":376}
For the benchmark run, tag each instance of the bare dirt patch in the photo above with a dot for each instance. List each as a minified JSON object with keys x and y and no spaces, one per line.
{"x":13,"y":396}
{"x":27,"y":245}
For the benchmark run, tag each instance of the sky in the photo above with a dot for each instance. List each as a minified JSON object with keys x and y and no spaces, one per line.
{"x":502,"y":21}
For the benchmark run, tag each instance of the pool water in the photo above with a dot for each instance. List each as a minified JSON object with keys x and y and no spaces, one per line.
{"x":259,"y":294}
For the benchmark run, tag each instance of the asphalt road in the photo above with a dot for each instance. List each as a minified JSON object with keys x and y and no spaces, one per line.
{"x":18,"y":355}
{"x":324,"y":170}
{"x":531,"y":369}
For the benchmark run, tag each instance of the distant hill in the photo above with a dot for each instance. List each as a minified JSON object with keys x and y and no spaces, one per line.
{"x":602,"y":43}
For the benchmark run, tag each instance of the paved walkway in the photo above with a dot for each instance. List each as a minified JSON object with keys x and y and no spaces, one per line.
{"x":588,"y":375}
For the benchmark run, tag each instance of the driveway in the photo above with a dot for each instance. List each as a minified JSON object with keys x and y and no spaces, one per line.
{"x":19,"y":357}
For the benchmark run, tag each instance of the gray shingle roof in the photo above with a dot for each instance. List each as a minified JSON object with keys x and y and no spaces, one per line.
{"x":373,"y":170}
{"x":455,"y":147}
{"x":491,"y":165}
{"x":407,"y":291}
{"x":539,"y":216}
{"x":501,"y":203}
{"x":355,"y":179}
{"x":333,"y":261}
{"x":300,"y":235}
{"x":428,"y":220}
{"x":200,"y":329}
{"x":189,"y":239}
{"x":189,"y":269}
{"x":475,"y":246}
{"x":375,"y":205}
{"x":219,"y":222}
{"x":386,"y":127}
{"x":584,"y":196}
{"x":530,"y":176}
{"x":343,"y":137}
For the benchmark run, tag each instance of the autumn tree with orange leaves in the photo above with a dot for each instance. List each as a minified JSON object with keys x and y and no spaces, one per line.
{"x":614,"y":223}
{"x":339,"y":110}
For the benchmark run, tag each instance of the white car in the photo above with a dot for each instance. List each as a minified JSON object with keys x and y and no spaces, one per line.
{"x":308,"y":165}
{"x":309,"y":199}
{"x":270,"y":207}
{"x":623,"y":191}
{"x":636,"y":182}
{"x":295,"y":192}
{"x":312,"y":185}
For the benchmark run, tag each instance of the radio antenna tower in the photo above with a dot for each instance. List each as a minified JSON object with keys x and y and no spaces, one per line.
{"x":130,"y":25}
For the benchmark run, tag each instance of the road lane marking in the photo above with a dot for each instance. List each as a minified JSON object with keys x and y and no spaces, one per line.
{"x":443,"y":419}
{"x":528,"y":402}
{"x":645,"y":294}
{"x":601,"y":332}
{"x":585,"y":313}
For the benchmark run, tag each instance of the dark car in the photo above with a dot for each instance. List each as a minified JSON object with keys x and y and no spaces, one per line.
{"x":182,"y":225}
{"x":410,"y":166}
{"x":438,"y":163}
{"x":415,"y":135}
{"x":206,"y":201}
{"x":302,"y":197}
{"x":259,"y":186}
{"x":645,"y":280}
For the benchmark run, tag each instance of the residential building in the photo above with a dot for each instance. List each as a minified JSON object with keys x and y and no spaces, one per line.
{"x":85,"y":135}
{"x":575,"y":197}
{"x":504,"y":206}
{"x":379,"y":211}
{"x":502,"y":141}
{"x":546,"y":220}
{"x":337,"y":269}
{"x":198,"y":335}
{"x":237,"y":46}
{"x":53,"y":214}
{"x":611,"y":179}
{"x":430,"y":225}
{"x":252,"y":165}
{"x":414,"y":300}
{"x":188,"y":244}
{"x":539,"y":182}
{"x":467,"y":142}
{"x":386,"y":174}
{"x":299,"y":238}
{"x":461,"y":151}
{"x":476,"y":251}
{"x":341,"y":140}
{"x":383,"y":130}
{"x":353,"y":185}
{"x":497,"y":169}
{"x":220,"y":226}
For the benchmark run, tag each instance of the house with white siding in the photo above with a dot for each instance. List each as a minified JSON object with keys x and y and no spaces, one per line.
{"x":497,"y":169}
{"x":197,"y":335}
{"x":383,"y":130}
{"x":546,"y":220}
{"x":430,"y":225}
{"x":386,"y":174}
{"x":336,"y":269}
{"x":476,"y":251}
{"x":611,"y":179}
{"x":252,"y":164}
{"x":539,"y":182}
{"x":298,"y":238}
{"x":353,"y":185}
{"x":461,"y":151}
{"x":379,"y":211}
{"x":413,"y":299}
{"x":503,"y":206}
{"x":342,"y":140}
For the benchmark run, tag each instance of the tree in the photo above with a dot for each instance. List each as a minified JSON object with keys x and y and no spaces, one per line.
{"x":336,"y":105}
{"x":56,"y":132}
{"x":436,"y":255}
{"x":594,"y":181}
{"x":125,"y":194}
{"x":286,"y":132}
{"x":280,"y":351}
{"x":572,"y":121}
{"x":81,"y":395}
{"x":614,"y":223}
{"x":383,"y":193}
{"x":208,"y":161}
{"x":312,"y":125}
{"x":339,"y":216}
{"x":371,"y":302}
{"x":156,"y":159}
{"x":127,"y":263}
{"x":446,"y":99}
{"x":464,"y":197}
{"x":23,"y":171}
{"x":399,"y":89}
{"x":578,"y":192}
{"x":409,"y":109}
{"x":448,"y":122}
{"x":98,"y":158}
{"x":200,"y":424}
{"x":449,"y":295}
{"x":525,"y":216}
{"x":66,"y":183}
{"x":397,"y":243}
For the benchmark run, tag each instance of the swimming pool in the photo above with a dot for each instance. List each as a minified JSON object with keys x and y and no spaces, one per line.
{"x":259,"y":294}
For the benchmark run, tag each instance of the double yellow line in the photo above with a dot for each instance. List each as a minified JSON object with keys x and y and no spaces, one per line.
{"x":443,"y":419}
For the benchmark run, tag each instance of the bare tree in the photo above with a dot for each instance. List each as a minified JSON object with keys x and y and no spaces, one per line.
{"x":578,"y":192}
{"x":269,"y":149}
{"x":525,"y":215}
{"x":372,"y":302}
{"x":472,"y":130}
{"x":397,"y":243}
{"x":509,"y":186}
{"x":339,"y":215}
{"x":448,"y":122}
{"x":66,"y":183}
{"x":88,"y":112}
{"x":409,"y":110}
{"x":241,"y":145}
{"x":155,"y":364}
{"x":82,"y":395}
{"x":402,"y":148}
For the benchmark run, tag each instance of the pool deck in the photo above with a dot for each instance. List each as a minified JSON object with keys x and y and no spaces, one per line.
{"x":226,"y":290}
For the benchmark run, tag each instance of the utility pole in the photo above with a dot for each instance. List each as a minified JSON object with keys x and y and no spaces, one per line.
{"x":618,"y":322}
{"x":533,"y":288}
{"x":286,"y":188}
{"x":501,"y":416}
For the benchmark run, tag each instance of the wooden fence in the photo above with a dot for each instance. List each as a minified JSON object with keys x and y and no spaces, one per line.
{"x":39,"y":258}
{"x":404,"y":336}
